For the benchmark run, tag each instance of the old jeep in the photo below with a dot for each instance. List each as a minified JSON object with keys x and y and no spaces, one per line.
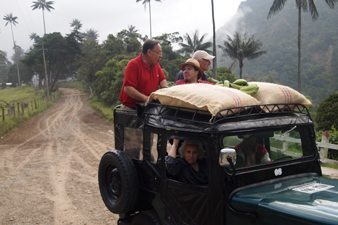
{"x":290,"y":189}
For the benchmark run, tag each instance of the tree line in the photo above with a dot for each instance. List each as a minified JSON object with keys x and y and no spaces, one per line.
{"x":78,"y":54}
{"x":56,"y":57}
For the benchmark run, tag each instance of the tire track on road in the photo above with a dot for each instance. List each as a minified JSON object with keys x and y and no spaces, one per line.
{"x":50,"y":177}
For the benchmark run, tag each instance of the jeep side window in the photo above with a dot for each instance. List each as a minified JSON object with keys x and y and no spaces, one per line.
{"x":292,"y":144}
{"x":133,"y":142}
{"x":153,"y":147}
{"x":289,"y":143}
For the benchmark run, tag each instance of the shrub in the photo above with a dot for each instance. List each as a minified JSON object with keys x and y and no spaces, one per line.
{"x":327,"y":113}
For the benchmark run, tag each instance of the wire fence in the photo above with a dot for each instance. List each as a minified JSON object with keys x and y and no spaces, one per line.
{"x":19,"y":109}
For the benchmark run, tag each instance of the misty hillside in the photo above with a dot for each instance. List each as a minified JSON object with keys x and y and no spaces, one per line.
{"x":279,"y":37}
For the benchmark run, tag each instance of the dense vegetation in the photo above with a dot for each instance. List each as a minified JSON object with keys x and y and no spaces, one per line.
{"x":279,"y":37}
{"x":327,"y":113}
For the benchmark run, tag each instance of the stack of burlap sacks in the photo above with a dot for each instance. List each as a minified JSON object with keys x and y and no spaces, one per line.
{"x":214,"y":98}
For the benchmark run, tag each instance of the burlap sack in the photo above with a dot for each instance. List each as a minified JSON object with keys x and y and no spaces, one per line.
{"x":270,"y":93}
{"x":205,"y":97}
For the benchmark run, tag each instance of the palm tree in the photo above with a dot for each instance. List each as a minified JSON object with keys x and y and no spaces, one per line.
{"x":76,"y":27}
{"x":304,"y":5}
{"x":91,"y":35}
{"x":194,"y":43}
{"x":144,"y":3}
{"x":214,"y":68}
{"x":76,"y":24}
{"x":44,"y":5}
{"x":240,"y":48}
{"x":10,"y":19}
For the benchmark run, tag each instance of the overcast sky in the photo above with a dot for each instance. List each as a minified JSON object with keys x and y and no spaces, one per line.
{"x":112,"y":16}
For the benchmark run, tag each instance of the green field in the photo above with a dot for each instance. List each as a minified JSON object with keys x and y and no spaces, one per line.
{"x":19,"y":94}
{"x":19,"y":104}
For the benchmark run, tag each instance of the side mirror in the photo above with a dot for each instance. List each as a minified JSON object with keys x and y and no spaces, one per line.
{"x":227,"y":157}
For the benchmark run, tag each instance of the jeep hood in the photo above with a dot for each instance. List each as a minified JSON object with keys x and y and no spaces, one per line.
{"x":296,"y":200}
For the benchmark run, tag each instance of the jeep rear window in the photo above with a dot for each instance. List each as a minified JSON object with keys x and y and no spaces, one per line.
{"x":265,"y":147}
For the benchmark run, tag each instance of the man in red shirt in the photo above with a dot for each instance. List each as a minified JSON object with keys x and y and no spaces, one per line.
{"x":143,"y":75}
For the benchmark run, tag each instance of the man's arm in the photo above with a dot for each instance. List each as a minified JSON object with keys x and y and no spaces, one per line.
{"x":135,"y":94}
{"x":173,"y":150}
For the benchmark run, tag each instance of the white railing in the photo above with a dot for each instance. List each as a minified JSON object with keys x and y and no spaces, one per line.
{"x":323,"y":145}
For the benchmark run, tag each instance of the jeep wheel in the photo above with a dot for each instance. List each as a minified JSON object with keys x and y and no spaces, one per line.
{"x":118,"y":182}
{"x":146,"y":218}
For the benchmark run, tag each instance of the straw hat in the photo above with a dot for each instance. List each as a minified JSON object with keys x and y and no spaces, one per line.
{"x":194,"y":63}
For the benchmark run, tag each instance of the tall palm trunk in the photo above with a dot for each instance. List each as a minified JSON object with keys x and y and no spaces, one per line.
{"x":17,"y":63}
{"x":214,"y":68}
{"x":44,"y":23}
{"x":299,"y":48}
{"x":240,"y":68}
{"x":150,"y":20}
{"x":44,"y":56}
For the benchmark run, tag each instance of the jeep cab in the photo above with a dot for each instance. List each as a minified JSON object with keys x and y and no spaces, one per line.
{"x":286,"y":189}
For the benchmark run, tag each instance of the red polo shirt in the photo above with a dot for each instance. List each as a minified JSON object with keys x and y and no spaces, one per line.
{"x":143,"y":77}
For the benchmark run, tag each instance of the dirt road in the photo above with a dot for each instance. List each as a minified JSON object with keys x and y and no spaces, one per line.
{"x":48,"y":167}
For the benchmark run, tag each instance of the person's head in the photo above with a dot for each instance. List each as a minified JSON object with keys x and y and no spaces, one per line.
{"x":190,"y":151}
{"x":191,"y":70}
{"x":249,"y":143}
{"x":152,"y":51}
{"x":204,"y":58}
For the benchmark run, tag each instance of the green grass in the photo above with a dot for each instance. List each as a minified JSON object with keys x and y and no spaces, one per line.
{"x":34,"y":100}
{"x":18,"y":94}
{"x":102,"y":108}
{"x":330,"y":165}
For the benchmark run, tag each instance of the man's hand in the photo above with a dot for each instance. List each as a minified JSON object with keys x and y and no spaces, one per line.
{"x":164,"y":84}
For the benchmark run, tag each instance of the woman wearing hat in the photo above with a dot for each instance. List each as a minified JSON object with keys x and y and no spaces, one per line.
{"x":191,"y":72}
{"x":188,"y":167}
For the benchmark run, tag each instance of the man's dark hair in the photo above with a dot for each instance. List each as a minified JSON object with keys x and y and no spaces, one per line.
{"x":149,"y":44}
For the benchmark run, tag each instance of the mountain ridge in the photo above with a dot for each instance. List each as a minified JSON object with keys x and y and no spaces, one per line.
{"x":279,"y":37}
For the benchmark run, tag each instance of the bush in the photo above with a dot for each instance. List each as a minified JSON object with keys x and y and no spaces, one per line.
{"x":327,"y":113}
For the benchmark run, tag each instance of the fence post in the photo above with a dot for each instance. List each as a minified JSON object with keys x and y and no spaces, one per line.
{"x":3,"y":113}
{"x":285,"y":143}
{"x":325,"y":139}
{"x":18,"y":105}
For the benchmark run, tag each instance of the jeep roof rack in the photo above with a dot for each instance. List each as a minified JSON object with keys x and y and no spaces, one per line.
{"x":198,"y":116}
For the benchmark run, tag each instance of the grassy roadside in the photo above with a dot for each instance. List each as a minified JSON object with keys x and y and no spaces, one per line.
{"x":330,"y":165}
{"x":20,"y":104}
{"x":103,"y":109}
